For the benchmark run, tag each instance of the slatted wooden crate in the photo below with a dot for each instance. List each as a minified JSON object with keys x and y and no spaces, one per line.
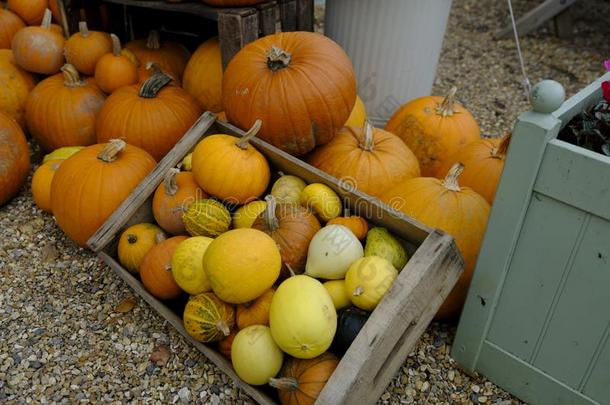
{"x":392,"y":329}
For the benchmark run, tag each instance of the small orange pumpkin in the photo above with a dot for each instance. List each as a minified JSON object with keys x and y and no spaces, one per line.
{"x":255,"y":312}
{"x":172,"y":198}
{"x":30,"y":11}
{"x":434,"y":128}
{"x":224,"y":346}
{"x":85,"y":48}
{"x":203,"y":75}
{"x":10,"y":23}
{"x":15,"y":85}
{"x":354,"y":223}
{"x":135,"y":242}
{"x":156,"y":269}
{"x":14,"y":158}
{"x":171,"y":56}
{"x":115,"y":70}
{"x":41,"y":184}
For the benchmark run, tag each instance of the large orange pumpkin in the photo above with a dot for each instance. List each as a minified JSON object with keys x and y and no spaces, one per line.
{"x":459,"y":211}
{"x":300,"y":84}
{"x":171,"y":56}
{"x":15,"y":85}
{"x":10,"y":23}
{"x":152,"y":116}
{"x":14,"y":158}
{"x":92,"y":183}
{"x":30,"y":11}
{"x":85,"y":48}
{"x":156,"y":269}
{"x":115,"y":70}
{"x":39,"y":49}
{"x":203,"y":76}
{"x":483,"y":162}
{"x":62,"y":109}
{"x":368,"y":158}
{"x":41,"y":184}
{"x":434,"y":128}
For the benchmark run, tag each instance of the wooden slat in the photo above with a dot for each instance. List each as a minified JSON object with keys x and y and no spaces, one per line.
{"x":268,"y":18}
{"x":104,"y":235}
{"x":288,"y":15}
{"x":536,"y":17}
{"x":194,"y":8}
{"x":305,"y":15}
{"x":235,"y":30}
{"x":396,"y":325}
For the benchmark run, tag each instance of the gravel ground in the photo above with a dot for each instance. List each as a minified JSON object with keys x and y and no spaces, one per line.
{"x":70,"y":330}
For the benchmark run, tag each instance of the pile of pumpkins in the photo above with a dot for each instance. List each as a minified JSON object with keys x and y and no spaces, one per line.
{"x":279,"y":276}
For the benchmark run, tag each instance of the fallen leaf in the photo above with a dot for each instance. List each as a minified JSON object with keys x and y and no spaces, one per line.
{"x":160,"y":355}
{"x":126,"y":304}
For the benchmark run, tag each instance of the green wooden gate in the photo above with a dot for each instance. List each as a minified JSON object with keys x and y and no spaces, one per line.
{"x":537,"y":317}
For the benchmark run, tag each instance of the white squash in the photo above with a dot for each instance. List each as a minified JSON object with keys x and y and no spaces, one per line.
{"x":331,"y":251}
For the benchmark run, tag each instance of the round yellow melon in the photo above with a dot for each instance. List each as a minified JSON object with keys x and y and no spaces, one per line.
{"x":255,"y":356}
{"x":187,"y":265}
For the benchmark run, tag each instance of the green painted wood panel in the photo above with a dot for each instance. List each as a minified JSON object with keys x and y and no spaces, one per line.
{"x":542,"y":256}
{"x":576,"y":176}
{"x":598,"y":384}
{"x":578,"y":321}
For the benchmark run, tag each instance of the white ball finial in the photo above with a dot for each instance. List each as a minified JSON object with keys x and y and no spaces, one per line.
{"x":547,"y":96}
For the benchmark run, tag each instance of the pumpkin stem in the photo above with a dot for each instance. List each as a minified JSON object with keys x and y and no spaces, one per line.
{"x":71,"y":76}
{"x":116,"y":45}
{"x":171,"y":187}
{"x":111,"y":151}
{"x":451,"y":180}
{"x":223,"y":327}
{"x":446,"y":107}
{"x":368,"y":143}
{"x":284,"y":383}
{"x":358,"y":291}
{"x":83,"y":29}
{"x":131,"y":238}
{"x":270,"y":218}
{"x":252,"y":132}
{"x":46,"y":19}
{"x":154,"y":40}
{"x":277,"y":58}
{"x":153,"y":85}
{"x":499,"y":152}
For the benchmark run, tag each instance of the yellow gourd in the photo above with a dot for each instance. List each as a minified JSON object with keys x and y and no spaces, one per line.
{"x":367,"y":281}
{"x":255,"y":356}
{"x":187,"y":265}
{"x":244,"y":216}
{"x":287,"y":189}
{"x":322,"y":200}
{"x":338,"y":293}
{"x":135,"y":243}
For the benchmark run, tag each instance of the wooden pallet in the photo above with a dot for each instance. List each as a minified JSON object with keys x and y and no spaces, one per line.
{"x":393,"y":328}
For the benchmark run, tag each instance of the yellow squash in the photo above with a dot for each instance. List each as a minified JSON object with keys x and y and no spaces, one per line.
{"x":187,"y":265}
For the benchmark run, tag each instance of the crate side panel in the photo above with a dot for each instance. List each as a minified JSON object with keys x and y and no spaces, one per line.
{"x":598,"y":384}
{"x":543,"y":251}
{"x":577,"y":327}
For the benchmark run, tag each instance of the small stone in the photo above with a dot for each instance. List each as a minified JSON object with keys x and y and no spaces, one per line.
{"x":386,"y":396}
{"x":35,"y":364}
{"x":476,"y":389}
{"x":482,"y":399}
{"x":185,"y":395}
{"x":215,"y":399}
{"x":150,"y":369}
{"x":190,"y":363}
{"x":425,"y":386}
{"x":451,"y":375}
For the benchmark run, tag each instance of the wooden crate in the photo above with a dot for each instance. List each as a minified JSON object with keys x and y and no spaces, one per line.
{"x":392,"y":329}
{"x":536,"y":318}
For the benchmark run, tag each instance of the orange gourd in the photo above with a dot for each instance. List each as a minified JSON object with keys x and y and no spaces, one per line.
{"x":203,"y":76}
{"x":10,"y":23}
{"x":255,"y":312}
{"x":41,"y":184}
{"x":62,"y":110}
{"x":301,"y":381}
{"x":483,"y":162}
{"x":171,"y":56}
{"x":354,"y":223}
{"x":92,"y":183}
{"x":39,"y":49}
{"x":300,"y":84}
{"x":115,"y":70}
{"x":459,"y":211}
{"x":85,"y":48}
{"x":292,"y":227}
{"x":224,"y":346}
{"x":14,"y":158}
{"x":152,"y":116}
{"x":172,"y":198}
{"x":156,"y":269}
{"x":369,"y":159}
{"x":434,"y":128}
{"x":230,"y":168}
{"x":30,"y":11}
{"x":15,"y":85}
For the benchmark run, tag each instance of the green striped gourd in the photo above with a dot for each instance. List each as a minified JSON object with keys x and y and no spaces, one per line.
{"x":206,"y":218}
{"x":207,"y":318}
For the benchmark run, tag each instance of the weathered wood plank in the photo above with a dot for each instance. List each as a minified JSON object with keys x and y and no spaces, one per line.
{"x":288,"y":15}
{"x":195,"y":8}
{"x":236,"y":29}
{"x":305,"y":15}
{"x":536,"y":17}
{"x":268,"y":18}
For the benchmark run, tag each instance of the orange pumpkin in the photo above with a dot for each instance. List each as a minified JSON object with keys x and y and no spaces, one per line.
{"x":354,"y":223}
{"x":369,"y":159}
{"x":483,"y":162}
{"x":255,"y":312}
{"x":54,"y":7}
{"x":224,"y":346}
{"x":10,"y":23}
{"x":39,"y":49}
{"x":30,"y":11}
{"x":15,"y":85}
{"x":135,"y":242}
{"x":85,"y":48}
{"x":149,"y":69}
{"x":92,"y":183}
{"x":459,"y":211}
{"x":14,"y":158}
{"x":292,"y":227}
{"x":171,"y":56}
{"x":41,"y":184}
{"x":115,"y":70}
{"x":152,"y":116}
{"x":300,"y":84}
{"x":156,"y":269}
{"x":62,"y":110}
{"x":203,"y":76}
{"x":172,"y":198}
{"x":301,"y":381}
